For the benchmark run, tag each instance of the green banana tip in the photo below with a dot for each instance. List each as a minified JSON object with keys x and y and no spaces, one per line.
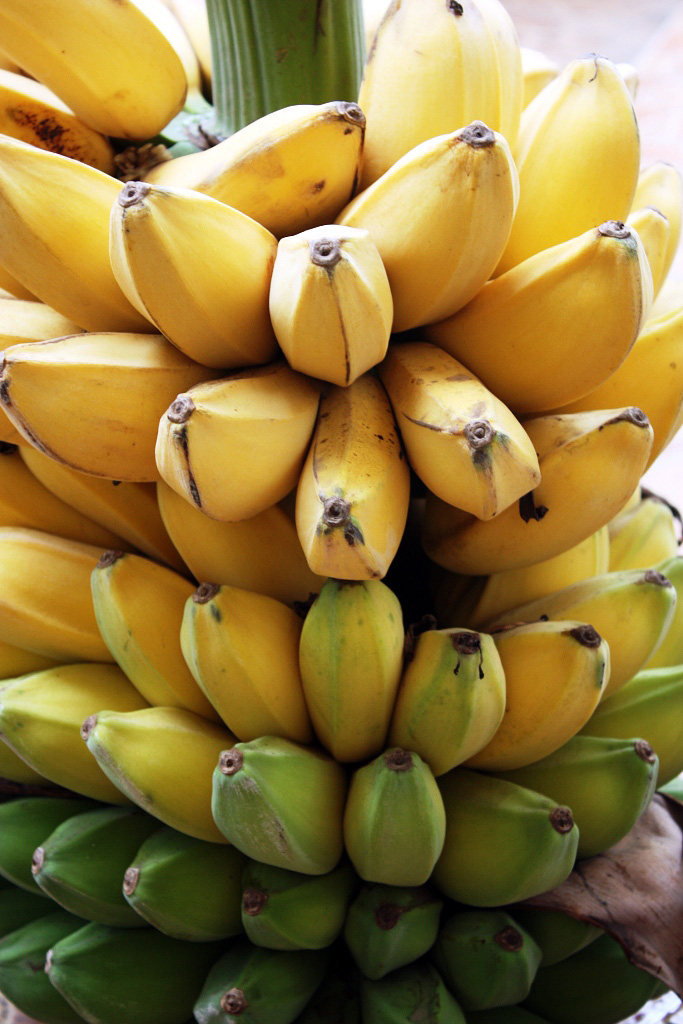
{"x":387,"y":916}
{"x":230,"y":761}
{"x":37,"y":860}
{"x":562,"y":820}
{"x":398,"y":760}
{"x":130,"y":880}
{"x":253,"y":901}
{"x":234,"y":1002}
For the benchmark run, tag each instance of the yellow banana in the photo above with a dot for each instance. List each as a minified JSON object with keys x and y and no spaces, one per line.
{"x":316,"y":150}
{"x":25,"y":320}
{"x":111,"y":63}
{"x":538,"y":70}
{"x":16,"y":662}
{"x":578,"y":156}
{"x":192,"y":15}
{"x":643,"y":536}
{"x":93,"y":401}
{"x":233,"y":447}
{"x":447,"y":720}
{"x":631,"y":609}
{"x":652,"y":228}
{"x":462,"y":442}
{"x":13,"y":288}
{"x":243,"y":650}
{"x":330,"y":303}
{"x":31,"y":112}
{"x":555,"y":674}
{"x":661,"y":185}
{"x":574,"y":451}
{"x":45,"y":602}
{"x":433,"y":67}
{"x":15,"y":769}
{"x":8,"y":432}
{"x":139,"y":610}
{"x":630,"y":75}
{"x":557,"y":325}
{"x":62,"y":258}
{"x":198,"y":270}
{"x":162,"y":759}
{"x":351,"y":658}
{"x":354,"y":490}
{"x":373,"y":12}
{"x":440,"y":218}
{"x":41,"y":716}
{"x":127,"y":509}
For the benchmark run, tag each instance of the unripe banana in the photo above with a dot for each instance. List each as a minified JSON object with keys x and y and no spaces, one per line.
{"x":23,"y":320}
{"x":125,"y":382}
{"x":486,"y":958}
{"x":608,"y":783}
{"x":451,"y":700}
{"x":351,"y":658}
{"x":81,"y":863}
{"x":485,"y":815}
{"x":41,"y":715}
{"x":185,"y":887}
{"x":464,"y":185}
{"x":670,"y":651}
{"x":281,"y":803}
{"x":414,"y":992}
{"x":243,"y":651}
{"x":233,"y":447}
{"x":317,"y":150}
{"x":211,"y":299}
{"x":574,"y":450}
{"x":19,"y":907}
{"x":652,"y":229}
{"x":330,"y":303}
{"x":161,"y":758}
{"x":538,"y":70}
{"x":353,"y":493}
{"x":505,"y":1015}
{"x":283,"y":909}
{"x":24,"y":824}
{"x":557,"y":935}
{"x":660,"y":185}
{"x":394,"y":820}
{"x":642,"y":537}
{"x":388,"y":927}
{"x":591,"y":293}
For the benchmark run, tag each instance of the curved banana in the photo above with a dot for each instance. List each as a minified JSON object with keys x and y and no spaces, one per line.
{"x":354,"y":489}
{"x":24,"y":320}
{"x":652,"y":228}
{"x":643,"y":536}
{"x":234,"y":446}
{"x":462,"y":442}
{"x":434,"y":66}
{"x":660,"y":185}
{"x":574,"y":451}
{"x":211,"y":297}
{"x":193,"y":16}
{"x":93,"y":401}
{"x":538,"y":70}
{"x":316,"y":149}
{"x":13,"y":288}
{"x":670,"y":650}
{"x":440,"y":217}
{"x":15,"y":661}
{"x":565,"y":189}
{"x":590,"y":295}
{"x":15,"y":769}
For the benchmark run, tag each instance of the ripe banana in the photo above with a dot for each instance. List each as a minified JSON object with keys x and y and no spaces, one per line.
{"x":62,"y":259}
{"x":574,"y":450}
{"x":24,"y":823}
{"x":111,"y":63}
{"x":316,"y":149}
{"x":330,"y":303}
{"x":462,"y":442}
{"x":660,"y":185}
{"x":590,"y":294}
{"x":198,"y":270}
{"x":466,"y":59}
{"x":41,"y":715}
{"x":608,"y":783}
{"x":538,"y":70}
{"x":14,"y":768}
{"x":670,"y":650}
{"x":459,"y":191}
{"x":652,"y":228}
{"x":631,"y":610}
{"x":394,"y":819}
{"x":643,"y":536}
{"x":242,"y":649}
{"x":353,"y":493}
{"x":233,"y":447}
{"x":14,"y":661}
{"x":113,"y":387}
{"x":139,"y":607}
{"x":413,"y":992}
{"x":578,"y":157}
{"x":193,"y":17}
{"x":261,"y":553}
{"x":630,"y":75}
{"x":485,"y":815}
{"x":12,"y":289}
{"x":24,"y":320}
{"x":351,"y":658}
{"x":161,"y":758}
{"x":558,"y":935}
{"x":171,"y":883}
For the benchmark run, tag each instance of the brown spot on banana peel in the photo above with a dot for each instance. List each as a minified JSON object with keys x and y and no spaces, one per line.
{"x":528,"y":510}
{"x":130,"y":880}
{"x":180,"y":439}
{"x":234,"y":1002}
{"x":253,"y":901}
{"x":632,"y":415}
{"x":509,"y":939}
{"x":652,"y":576}
{"x":387,"y":916}
{"x":455,"y":8}
{"x":586,"y":635}
{"x":467,"y":644}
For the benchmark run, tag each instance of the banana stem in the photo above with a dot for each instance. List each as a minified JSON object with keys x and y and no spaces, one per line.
{"x":269,"y":54}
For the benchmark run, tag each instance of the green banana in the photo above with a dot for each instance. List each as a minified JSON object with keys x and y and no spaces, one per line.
{"x":558,"y":935}
{"x":413,"y":993}
{"x":281,"y":803}
{"x":259,"y":986}
{"x":608,"y":783}
{"x":674,"y":788}
{"x":22,"y":958}
{"x":24,"y":824}
{"x":337,"y":1000}
{"x":670,"y":651}
{"x":504,"y":1015}
{"x":485,"y":816}
{"x":486,"y":958}
{"x":185,"y":887}
{"x":651,"y":706}
{"x":19,"y":907}
{"x":388,"y":927}
{"x":394,"y":819}
{"x":597,"y":985}
{"x":81,"y":863}
{"x":284,"y":909}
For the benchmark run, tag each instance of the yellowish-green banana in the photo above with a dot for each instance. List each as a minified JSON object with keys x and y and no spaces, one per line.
{"x":670,"y":650}
{"x":15,"y":769}
{"x":643,"y":536}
